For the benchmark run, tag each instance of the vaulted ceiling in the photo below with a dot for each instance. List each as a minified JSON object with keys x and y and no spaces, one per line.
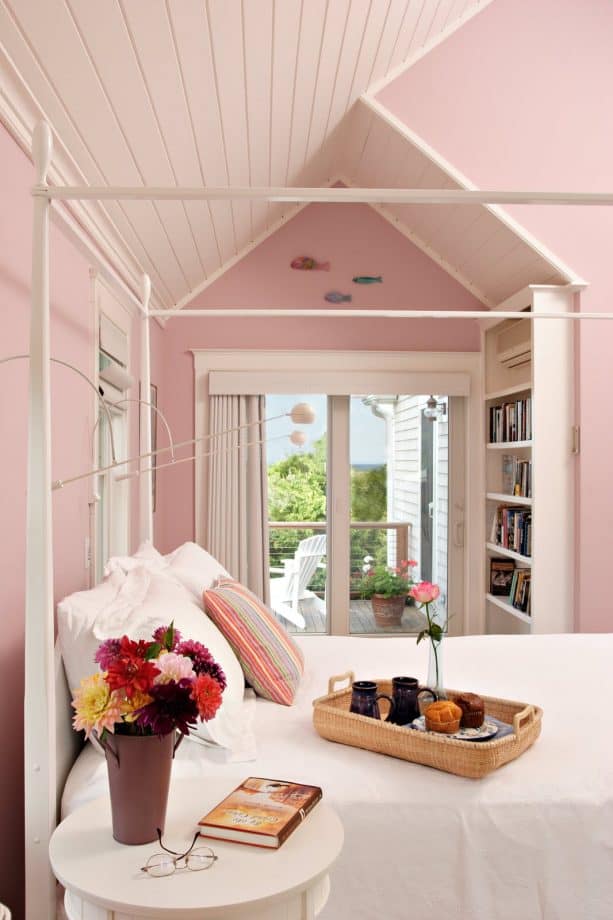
{"x":227,"y":92}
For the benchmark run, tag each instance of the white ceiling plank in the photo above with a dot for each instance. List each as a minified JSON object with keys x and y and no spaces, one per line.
{"x":257,"y":38}
{"x":22,"y":112}
{"x":370,"y":45}
{"x":307,"y":68}
{"x":43,"y":85}
{"x":286,"y":28}
{"x":357,"y":127}
{"x":194,"y":50}
{"x":337,"y":14}
{"x":389,"y":38}
{"x":113,"y":56}
{"x":438,"y":18}
{"x":410,"y":23}
{"x":424,"y":26}
{"x":153,"y":37}
{"x":349,"y":55}
{"x":226,"y":31}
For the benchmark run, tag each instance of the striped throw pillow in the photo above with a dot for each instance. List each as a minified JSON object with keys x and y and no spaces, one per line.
{"x":271,"y":661}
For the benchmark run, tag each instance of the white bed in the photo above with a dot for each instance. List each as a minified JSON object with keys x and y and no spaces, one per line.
{"x":532,"y":841}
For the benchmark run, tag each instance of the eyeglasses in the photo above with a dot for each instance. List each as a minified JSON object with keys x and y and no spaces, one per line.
{"x":161,"y":864}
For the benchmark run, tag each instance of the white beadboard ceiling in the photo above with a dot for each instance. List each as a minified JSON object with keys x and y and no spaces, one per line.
{"x":237,"y":92}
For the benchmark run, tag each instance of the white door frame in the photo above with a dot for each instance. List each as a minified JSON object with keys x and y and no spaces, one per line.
{"x":303,"y":371}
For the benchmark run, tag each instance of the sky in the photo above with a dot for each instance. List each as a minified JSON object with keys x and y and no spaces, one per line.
{"x":367,"y":432}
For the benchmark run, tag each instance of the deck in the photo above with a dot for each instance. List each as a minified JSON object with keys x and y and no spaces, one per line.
{"x":361,"y":620}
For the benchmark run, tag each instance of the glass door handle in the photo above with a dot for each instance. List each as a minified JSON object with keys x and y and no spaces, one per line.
{"x":458,"y":533}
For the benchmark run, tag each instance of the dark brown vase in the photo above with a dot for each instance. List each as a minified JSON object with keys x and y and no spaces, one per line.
{"x":388,"y":610}
{"x":139,"y":778}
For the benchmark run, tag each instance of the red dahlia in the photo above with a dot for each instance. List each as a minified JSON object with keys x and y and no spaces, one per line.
{"x":207,"y":694}
{"x":130,"y":671}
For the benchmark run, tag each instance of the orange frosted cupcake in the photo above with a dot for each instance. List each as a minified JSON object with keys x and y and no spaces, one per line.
{"x":443,"y":716}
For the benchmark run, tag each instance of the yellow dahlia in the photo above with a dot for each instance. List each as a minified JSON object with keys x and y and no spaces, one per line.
{"x":97,"y":706}
{"x":130,"y":706}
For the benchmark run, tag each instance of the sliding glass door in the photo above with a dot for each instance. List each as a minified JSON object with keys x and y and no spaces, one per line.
{"x":366,"y":496}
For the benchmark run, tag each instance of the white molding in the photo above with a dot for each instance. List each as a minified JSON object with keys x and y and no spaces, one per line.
{"x":469,"y":13}
{"x":566,"y":273}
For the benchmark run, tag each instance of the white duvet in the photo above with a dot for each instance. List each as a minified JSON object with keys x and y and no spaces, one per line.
{"x":533,"y":841}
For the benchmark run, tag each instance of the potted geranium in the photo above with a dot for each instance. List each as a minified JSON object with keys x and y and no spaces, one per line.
{"x":387,"y":588}
{"x":147,"y":696}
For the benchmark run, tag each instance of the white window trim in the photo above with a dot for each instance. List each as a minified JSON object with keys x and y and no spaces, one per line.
{"x":105,"y":302}
{"x":305,"y":371}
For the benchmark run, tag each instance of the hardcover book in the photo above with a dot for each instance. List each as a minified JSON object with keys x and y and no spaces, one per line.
{"x":260,"y":812}
{"x":501,"y":576}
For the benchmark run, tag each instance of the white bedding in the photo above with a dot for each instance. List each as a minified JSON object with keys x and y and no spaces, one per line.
{"x":533,"y":841}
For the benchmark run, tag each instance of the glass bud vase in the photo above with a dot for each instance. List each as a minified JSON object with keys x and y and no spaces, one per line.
{"x":435,"y":669}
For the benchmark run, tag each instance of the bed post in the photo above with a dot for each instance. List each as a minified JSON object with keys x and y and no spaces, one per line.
{"x":39,"y":702}
{"x":145,"y":515}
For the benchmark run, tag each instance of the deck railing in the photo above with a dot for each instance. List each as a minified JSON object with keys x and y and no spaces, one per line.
{"x":385,"y":541}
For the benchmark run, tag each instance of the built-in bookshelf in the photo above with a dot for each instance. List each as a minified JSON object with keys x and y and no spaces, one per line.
{"x":529,"y":469}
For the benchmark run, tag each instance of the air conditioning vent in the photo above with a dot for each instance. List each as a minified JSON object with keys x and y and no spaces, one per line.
{"x":513,"y":345}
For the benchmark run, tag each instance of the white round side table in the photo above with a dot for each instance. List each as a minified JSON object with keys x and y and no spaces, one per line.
{"x":103,"y":880}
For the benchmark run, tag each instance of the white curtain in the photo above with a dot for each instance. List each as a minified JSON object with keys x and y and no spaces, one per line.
{"x":238,"y":493}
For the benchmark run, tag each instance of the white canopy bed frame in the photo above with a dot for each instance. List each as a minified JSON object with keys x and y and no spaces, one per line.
{"x":48,"y":757}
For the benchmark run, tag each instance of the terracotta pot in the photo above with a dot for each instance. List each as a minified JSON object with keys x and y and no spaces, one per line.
{"x":139,"y":779}
{"x":388,"y":610}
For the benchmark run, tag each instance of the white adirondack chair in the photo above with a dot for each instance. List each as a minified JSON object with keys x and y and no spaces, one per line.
{"x":287,"y":592}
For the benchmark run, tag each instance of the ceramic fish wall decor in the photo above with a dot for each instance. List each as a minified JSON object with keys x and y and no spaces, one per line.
{"x":368,"y":279}
{"x":307,"y":263}
{"x":337,"y":297}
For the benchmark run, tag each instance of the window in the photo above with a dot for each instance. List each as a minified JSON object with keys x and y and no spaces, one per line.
{"x":113,"y":508}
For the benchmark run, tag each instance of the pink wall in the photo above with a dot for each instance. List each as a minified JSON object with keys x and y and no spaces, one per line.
{"x":521,"y":97}
{"x":357,"y":241}
{"x":72,"y":407}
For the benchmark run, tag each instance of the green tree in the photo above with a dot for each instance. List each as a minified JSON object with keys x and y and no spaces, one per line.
{"x":297,"y":492}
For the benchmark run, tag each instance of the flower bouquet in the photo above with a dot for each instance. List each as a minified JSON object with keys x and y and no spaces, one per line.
{"x":146,"y":693}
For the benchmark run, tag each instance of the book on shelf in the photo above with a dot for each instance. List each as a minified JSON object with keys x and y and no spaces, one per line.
{"x":519,"y":595}
{"x":511,"y":421}
{"x":501,"y":576}
{"x":260,"y":812}
{"x":512,"y":529}
{"x":516,"y":476}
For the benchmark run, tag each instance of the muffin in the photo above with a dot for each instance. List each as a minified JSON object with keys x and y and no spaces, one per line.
{"x":443,"y":716}
{"x":473,"y":710}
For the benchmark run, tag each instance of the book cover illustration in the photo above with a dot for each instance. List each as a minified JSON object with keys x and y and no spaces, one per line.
{"x":260,"y":811}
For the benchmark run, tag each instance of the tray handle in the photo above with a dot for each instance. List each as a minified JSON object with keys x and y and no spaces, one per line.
{"x":349,"y":676}
{"x":523,"y":718}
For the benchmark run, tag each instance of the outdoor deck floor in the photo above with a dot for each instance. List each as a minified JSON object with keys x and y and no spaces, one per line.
{"x":361,"y":619}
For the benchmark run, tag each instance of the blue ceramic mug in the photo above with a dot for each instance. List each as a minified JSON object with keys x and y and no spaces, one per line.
{"x":405,"y":693}
{"x":365,"y":699}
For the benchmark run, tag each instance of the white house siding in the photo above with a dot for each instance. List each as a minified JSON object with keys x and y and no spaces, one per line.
{"x":406,"y":487}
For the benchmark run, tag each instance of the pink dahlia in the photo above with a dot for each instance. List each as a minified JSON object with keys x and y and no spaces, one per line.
{"x":174,"y":667}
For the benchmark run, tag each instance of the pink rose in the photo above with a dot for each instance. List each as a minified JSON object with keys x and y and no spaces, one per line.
{"x":425,"y":592}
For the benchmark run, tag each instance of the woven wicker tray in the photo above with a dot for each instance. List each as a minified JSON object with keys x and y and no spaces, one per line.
{"x":334,"y":722}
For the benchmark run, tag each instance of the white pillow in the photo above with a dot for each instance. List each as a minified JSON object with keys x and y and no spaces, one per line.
{"x":146,"y":555}
{"x":196,"y":569}
{"x":76,"y":617}
{"x":135,"y":604}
